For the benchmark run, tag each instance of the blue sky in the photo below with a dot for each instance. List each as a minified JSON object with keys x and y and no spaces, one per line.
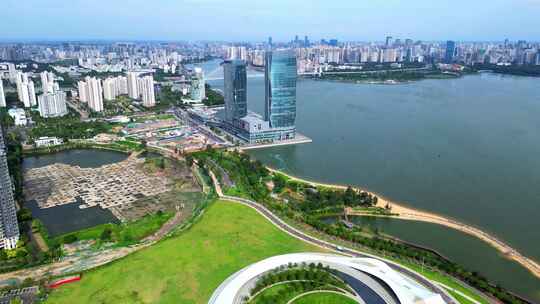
{"x":254,"y":20}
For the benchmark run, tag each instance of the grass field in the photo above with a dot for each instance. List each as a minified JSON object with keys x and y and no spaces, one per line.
{"x":186,"y":268}
{"x":324,"y":298}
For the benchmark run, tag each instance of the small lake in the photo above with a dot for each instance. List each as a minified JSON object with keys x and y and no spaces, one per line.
{"x":68,"y":218}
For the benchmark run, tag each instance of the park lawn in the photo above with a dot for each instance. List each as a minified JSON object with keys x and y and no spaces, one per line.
{"x":324,"y":298}
{"x":188,"y":267}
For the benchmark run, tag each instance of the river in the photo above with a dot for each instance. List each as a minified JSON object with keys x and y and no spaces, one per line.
{"x":465,"y":148}
{"x":68,"y":218}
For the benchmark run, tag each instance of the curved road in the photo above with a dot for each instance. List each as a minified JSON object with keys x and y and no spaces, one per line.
{"x":320,"y":243}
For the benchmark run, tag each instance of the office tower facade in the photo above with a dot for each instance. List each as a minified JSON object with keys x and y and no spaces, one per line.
{"x":450,"y":51}
{"x":280,"y":88}
{"x":9,"y":229}
{"x":2,"y":95}
{"x":52,"y":104}
{"x":197,"y":85}
{"x":133,"y":90}
{"x":147,"y":91}
{"x":235,"y":90}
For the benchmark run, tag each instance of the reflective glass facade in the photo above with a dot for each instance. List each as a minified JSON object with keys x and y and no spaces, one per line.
{"x":235,"y":89}
{"x":280,"y":86}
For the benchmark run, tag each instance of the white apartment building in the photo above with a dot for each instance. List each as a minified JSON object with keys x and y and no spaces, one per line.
{"x":147,"y":91}
{"x":52,"y":104}
{"x":22,"y":89}
{"x":133,"y":90}
{"x":2,"y":96}
{"x":47,"y":82}
{"x":91,"y":92}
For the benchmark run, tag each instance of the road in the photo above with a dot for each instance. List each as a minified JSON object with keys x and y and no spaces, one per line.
{"x":326,"y":245}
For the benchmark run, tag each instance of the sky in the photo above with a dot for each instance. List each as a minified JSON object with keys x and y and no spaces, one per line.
{"x":255,"y":20}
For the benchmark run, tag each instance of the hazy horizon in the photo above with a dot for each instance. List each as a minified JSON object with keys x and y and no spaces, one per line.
{"x":243,"y":20}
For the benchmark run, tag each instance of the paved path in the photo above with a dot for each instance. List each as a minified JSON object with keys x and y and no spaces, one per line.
{"x":326,"y":245}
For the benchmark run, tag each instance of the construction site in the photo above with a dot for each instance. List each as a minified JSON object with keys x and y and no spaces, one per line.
{"x":130,"y":189}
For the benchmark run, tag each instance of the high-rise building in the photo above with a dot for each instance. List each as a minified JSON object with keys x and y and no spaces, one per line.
{"x":450,"y":51}
{"x":389,"y":41}
{"x":2,"y":96}
{"x":47,"y":82}
{"x":235,"y":90}
{"x":133,"y":90}
{"x":197,"y":85}
{"x":52,"y":104}
{"x":83,"y":89}
{"x":9,"y":230}
{"x":32,"y":93}
{"x":147,"y":91}
{"x":94,"y":94}
{"x":12,"y":72}
{"x":280,"y":88}
{"x":23,"y":89}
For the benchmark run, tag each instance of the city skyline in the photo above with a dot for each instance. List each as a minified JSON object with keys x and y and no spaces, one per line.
{"x":347,"y":21}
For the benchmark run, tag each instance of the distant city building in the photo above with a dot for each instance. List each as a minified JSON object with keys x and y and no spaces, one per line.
{"x":2,"y":95}
{"x":147,"y":91}
{"x":52,"y":104}
{"x":389,"y":41}
{"x":450,"y":51}
{"x":19,"y":116}
{"x":9,"y":230}
{"x":280,"y":88}
{"x":235,"y":90}
{"x":197,"y":85}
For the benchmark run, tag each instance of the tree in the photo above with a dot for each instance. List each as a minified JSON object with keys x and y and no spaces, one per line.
{"x":106,"y":235}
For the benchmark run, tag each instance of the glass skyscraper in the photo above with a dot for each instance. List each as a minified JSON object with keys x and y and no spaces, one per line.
{"x":235,"y":89}
{"x":450,"y":51}
{"x":280,"y":88}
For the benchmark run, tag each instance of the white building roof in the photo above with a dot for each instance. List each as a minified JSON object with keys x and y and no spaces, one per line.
{"x":407,"y":290}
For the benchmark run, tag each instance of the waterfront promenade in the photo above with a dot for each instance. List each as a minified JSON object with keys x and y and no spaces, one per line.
{"x":406,"y":213}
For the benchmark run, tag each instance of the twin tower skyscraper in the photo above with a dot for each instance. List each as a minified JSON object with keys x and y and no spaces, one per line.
{"x":279,"y":118}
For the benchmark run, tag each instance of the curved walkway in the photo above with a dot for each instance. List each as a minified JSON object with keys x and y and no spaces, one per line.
{"x":326,"y":245}
{"x":291,"y":301}
{"x":407,"y":213}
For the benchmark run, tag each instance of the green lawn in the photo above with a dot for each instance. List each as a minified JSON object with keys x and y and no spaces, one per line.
{"x":186,"y":268}
{"x":324,"y":298}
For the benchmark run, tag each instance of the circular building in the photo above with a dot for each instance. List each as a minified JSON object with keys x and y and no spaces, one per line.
{"x":294,"y":276}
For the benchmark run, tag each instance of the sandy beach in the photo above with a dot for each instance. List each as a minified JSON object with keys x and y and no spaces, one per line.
{"x":407,"y":213}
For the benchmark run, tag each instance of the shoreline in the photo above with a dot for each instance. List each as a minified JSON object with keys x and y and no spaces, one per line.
{"x":411,"y":214}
